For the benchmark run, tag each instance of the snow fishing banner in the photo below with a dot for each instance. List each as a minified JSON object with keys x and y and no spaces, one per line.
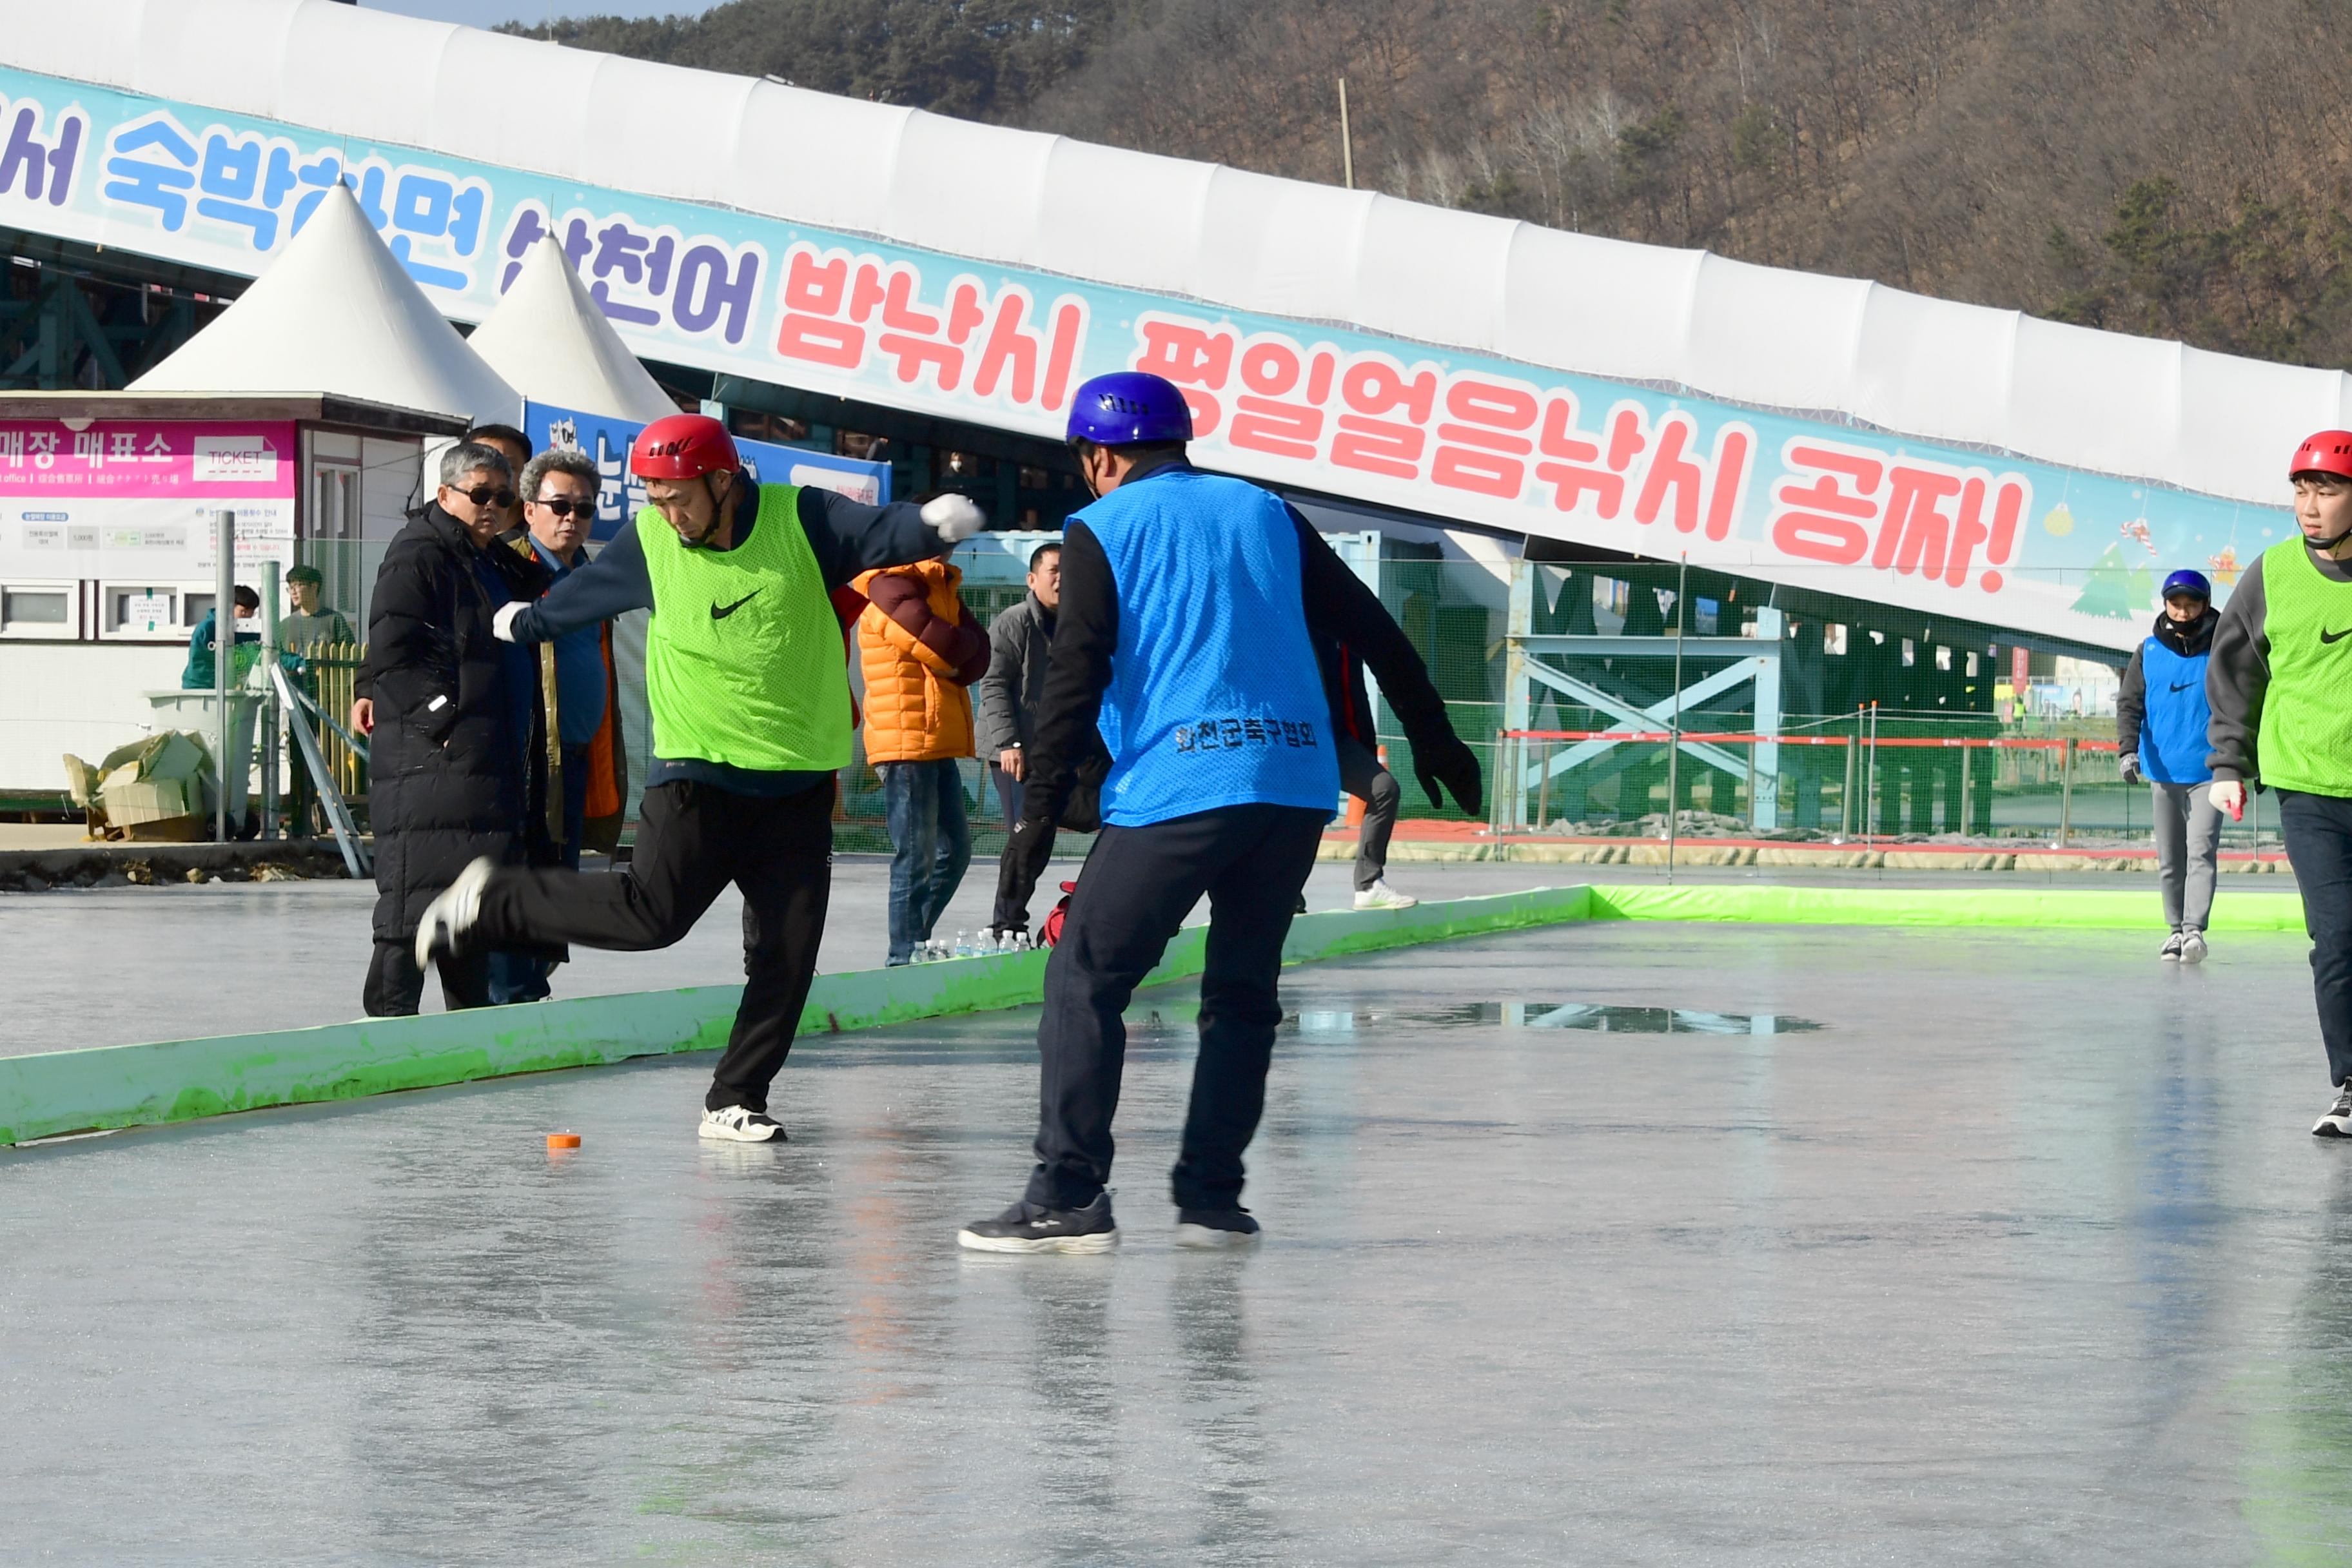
{"x":1979,"y":535}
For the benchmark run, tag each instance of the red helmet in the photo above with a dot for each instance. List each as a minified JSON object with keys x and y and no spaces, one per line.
{"x":2328,"y":452}
{"x":682,"y":445}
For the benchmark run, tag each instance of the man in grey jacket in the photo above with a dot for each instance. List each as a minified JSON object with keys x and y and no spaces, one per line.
{"x":1017,"y":640}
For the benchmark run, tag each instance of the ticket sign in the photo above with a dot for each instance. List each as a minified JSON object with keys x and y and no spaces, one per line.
{"x":136,"y":499}
{"x":147,"y":613}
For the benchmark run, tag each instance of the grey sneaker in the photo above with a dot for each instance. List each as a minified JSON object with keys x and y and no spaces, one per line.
{"x":1031,"y":1227}
{"x":2338,"y":1122}
{"x":2192,"y":947}
{"x":2172,"y":946}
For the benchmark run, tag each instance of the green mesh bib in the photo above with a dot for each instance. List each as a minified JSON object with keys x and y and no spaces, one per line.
{"x":743,"y":658}
{"x":2305,"y":738}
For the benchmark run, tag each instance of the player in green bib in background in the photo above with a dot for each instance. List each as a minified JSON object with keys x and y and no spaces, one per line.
{"x":750,"y":692}
{"x":2280,"y":683}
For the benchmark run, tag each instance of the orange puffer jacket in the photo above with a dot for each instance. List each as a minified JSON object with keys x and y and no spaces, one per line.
{"x":919,"y":649}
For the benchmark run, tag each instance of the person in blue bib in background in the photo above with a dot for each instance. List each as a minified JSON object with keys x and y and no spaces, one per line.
{"x":2160,"y":718}
{"x":1192,"y":604}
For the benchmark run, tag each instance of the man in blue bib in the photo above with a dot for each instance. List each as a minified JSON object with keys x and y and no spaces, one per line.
{"x":2160,"y":718}
{"x":1189,"y":610}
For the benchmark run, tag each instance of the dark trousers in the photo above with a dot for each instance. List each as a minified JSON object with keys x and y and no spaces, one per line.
{"x":1008,"y":795}
{"x":523,"y":976}
{"x":1361,"y":775}
{"x":395,"y":986}
{"x":692,"y":840}
{"x":2318,"y":830}
{"x":1138,"y":886}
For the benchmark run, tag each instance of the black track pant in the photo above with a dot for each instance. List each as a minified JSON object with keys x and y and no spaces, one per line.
{"x":692,"y":840}
{"x":2318,"y":830}
{"x":1138,"y":886}
{"x":395,"y":986}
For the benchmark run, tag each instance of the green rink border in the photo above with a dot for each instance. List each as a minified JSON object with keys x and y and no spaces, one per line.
{"x":60,"y":1092}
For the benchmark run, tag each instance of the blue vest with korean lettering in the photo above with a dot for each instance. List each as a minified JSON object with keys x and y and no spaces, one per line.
{"x":2172,"y":732}
{"x":1214,"y":695}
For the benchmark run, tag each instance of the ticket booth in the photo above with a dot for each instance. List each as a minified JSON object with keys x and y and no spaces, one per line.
{"x":107,"y":541}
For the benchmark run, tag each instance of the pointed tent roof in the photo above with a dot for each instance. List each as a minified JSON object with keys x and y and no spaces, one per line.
{"x":337,"y":313}
{"x":550,"y":339}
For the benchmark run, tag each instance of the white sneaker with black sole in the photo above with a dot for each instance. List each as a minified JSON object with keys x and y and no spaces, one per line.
{"x":2170,"y":952}
{"x":2338,"y":1122}
{"x":2192,"y":947}
{"x":736,"y":1125}
{"x":453,"y":911}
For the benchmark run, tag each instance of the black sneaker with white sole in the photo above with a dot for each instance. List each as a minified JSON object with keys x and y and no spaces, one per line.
{"x":2338,"y":1122}
{"x":1031,"y":1227}
{"x":735,"y":1124}
{"x":2171,"y":952}
{"x":1213,"y":1230}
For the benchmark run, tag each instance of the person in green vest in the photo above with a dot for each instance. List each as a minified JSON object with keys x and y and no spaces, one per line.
{"x":750,"y":692}
{"x":2280,"y":685}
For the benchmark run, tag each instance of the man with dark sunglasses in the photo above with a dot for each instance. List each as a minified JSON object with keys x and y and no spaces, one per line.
{"x":450,"y":712}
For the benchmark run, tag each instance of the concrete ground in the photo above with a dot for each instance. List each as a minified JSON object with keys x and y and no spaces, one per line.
{"x":115,"y":965}
{"x":2022,"y":1255}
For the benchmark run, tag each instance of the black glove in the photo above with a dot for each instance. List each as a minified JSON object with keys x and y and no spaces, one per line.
{"x":1449,"y":763}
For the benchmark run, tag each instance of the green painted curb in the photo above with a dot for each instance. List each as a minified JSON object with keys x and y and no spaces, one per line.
{"x":55,"y":1093}
{"x":2089,"y":910}
{"x":178,"y":1081}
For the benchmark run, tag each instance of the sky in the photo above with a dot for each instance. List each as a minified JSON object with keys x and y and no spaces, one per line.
{"x":490,"y":13}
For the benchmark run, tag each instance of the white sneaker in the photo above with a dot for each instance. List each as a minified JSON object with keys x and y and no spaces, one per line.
{"x":453,"y":911}
{"x":736,"y":1125}
{"x":2338,"y":1122}
{"x":1380,"y":896}
{"x":2192,"y":947}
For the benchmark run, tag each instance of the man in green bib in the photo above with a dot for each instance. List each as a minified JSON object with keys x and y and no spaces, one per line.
{"x":2280,"y":685}
{"x":748,"y":686}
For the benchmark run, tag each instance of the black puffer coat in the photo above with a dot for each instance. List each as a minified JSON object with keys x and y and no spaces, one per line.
{"x":446,"y":767}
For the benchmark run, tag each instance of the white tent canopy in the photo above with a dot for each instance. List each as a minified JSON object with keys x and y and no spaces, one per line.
{"x":550,"y":343}
{"x":335,"y":312}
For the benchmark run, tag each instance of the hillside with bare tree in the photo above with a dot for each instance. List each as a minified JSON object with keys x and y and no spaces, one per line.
{"x":2176,"y":167}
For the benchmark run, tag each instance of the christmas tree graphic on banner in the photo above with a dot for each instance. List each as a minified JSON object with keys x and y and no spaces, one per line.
{"x":2117,"y":588}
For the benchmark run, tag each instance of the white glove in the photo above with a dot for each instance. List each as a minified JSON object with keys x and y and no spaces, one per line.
{"x":953,"y":518}
{"x":2229,"y":797}
{"x":2128,"y":766}
{"x":503,"y":622}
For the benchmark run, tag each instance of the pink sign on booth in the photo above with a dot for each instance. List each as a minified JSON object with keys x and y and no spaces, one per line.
{"x":128,"y":459}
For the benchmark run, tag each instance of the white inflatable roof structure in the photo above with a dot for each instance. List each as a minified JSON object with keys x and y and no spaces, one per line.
{"x":549,"y":342}
{"x":336,"y":313}
{"x":1769,"y":338}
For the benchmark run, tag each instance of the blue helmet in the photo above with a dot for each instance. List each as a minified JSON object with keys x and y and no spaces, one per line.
{"x":2188,"y":583}
{"x":1129,"y":407}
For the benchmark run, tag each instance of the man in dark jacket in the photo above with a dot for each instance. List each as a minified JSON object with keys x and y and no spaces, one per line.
{"x":1018,"y":639}
{"x":448,"y":710}
{"x":1362,"y":773}
{"x":2161,"y":717}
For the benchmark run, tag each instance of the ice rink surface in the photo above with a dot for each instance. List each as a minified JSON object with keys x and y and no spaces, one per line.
{"x":2022,"y":1255}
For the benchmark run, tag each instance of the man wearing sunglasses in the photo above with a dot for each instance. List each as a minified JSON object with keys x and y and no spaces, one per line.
{"x":748,"y":686}
{"x":449,"y":711}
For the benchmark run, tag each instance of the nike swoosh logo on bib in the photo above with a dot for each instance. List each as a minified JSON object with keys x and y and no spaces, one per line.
{"x":2327,"y":636}
{"x":717,"y":614}
{"x":2182,"y":686}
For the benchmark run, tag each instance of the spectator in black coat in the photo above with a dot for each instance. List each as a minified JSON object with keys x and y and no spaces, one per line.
{"x":449,"y":711}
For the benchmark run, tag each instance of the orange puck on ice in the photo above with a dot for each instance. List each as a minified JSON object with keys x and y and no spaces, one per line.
{"x":563,"y":1139}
